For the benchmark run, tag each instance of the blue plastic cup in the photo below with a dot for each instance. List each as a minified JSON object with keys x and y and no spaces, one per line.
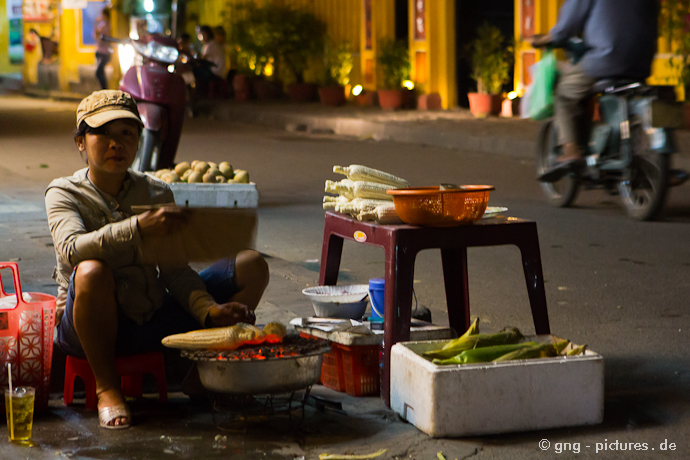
{"x":377,"y":296}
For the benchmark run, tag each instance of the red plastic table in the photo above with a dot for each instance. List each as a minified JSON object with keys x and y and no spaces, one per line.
{"x":402,"y":243}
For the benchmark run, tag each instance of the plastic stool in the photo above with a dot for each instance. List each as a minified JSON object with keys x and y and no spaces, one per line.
{"x":129,"y":368}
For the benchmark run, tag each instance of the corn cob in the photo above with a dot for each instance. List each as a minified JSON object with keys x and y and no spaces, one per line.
{"x":274,"y":332}
{"x":457,"y":346}
{"x":544,"y":350}
{"x":363,"y":173}
{"x":484,"y":354}
{"x":219,"y":338}
{"x":331,"y":202}
{"x":359,"y":205}
{"x":359,"y":189}
{"x":577,"y":351}
{"x":383,"y":214}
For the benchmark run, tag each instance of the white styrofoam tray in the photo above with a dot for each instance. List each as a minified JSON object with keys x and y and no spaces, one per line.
{"x":491,"y":398}
{"x":215,"y":195}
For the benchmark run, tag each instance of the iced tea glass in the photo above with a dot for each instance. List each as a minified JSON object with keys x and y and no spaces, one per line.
{"x":19,"y":430}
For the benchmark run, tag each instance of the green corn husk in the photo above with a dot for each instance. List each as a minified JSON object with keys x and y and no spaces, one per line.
{"x":577,"y":351}
{"x":561,"y":345}
{"x":472,"y":330}
{"x":457,"y":346}
{"x":543,"y":350}
{"x":484,"y":354}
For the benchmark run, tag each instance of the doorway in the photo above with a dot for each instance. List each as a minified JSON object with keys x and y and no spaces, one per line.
{"x":469,"y":15}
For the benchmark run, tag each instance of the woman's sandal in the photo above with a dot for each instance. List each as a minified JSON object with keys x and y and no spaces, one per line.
{"x":108,"y":414}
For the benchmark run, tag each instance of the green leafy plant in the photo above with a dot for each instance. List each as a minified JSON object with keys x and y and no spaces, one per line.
{"x":491,"y":59}
{"x":394,"y":59}
{"x":276,"y":34}
{"x":254,"y":37}
{"x":338,"y":63}
{"x":301,"y":38}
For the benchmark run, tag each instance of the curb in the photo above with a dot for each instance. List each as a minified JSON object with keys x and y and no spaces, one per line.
{"x":407,"y":132}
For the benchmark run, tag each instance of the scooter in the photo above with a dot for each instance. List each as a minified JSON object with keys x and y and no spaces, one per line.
{"x":161,"y":99}
{"x":629,"y":150}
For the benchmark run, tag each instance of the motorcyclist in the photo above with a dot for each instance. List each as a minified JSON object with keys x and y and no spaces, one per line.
{"x":620,"y":38}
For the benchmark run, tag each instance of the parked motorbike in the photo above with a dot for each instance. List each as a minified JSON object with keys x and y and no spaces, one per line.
{"x":161,"y":99}
{"x":629,"y":150}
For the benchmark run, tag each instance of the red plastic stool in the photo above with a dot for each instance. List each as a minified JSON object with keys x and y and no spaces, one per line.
{"x":129,"y":368}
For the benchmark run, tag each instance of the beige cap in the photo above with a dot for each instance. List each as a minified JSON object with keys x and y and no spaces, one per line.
{"x":107,"y":105}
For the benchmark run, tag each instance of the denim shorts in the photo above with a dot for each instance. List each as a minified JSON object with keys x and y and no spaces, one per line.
{"x":171,"y":318}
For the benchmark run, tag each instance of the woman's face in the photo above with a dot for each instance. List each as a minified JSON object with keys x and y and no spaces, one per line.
{"x":112,"y":150}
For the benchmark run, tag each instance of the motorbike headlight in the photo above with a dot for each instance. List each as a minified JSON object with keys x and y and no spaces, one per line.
{"x":153,"y":50}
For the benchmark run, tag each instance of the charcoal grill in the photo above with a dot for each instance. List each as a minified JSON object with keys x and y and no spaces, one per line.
{"x":285,"y":367}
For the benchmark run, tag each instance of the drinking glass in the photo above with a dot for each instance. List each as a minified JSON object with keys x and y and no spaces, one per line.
{"x":20,"y":420}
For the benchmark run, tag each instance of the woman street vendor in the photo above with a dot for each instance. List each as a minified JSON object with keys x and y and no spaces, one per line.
{"x":110,"y":303}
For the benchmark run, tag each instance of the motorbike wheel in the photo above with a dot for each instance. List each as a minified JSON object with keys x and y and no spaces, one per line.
{"x":643,"y":193}
{"x":149,"y":151}
{"x":561,"y":193}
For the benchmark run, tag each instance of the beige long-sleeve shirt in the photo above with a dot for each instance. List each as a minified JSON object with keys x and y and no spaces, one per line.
{"x":88,"y":224}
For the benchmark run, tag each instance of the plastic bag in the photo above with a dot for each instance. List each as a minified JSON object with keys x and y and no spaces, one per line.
{"x":541,"y":100}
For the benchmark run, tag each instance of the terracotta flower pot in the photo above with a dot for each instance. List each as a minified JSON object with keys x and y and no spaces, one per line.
{"x":302,"y":92}
{"x":332,"y":95}
{"x":265,"y":89}
{"x":242,"y":87}
{"x":391,"y":99}
{"x":483,"y":105}
{"x":367,"y":99}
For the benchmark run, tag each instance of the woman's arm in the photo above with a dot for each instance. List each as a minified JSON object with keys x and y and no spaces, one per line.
{"x":74,"y":243}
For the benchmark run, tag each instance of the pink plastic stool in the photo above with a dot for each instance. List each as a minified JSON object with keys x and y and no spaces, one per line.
{"x":129,"y":368}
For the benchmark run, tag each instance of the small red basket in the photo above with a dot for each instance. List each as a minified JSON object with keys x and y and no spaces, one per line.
{"x":26,"y":340}
{"x":351,"y":369}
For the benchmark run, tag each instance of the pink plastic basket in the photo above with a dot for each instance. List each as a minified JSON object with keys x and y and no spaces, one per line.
{"x":26,"y":340}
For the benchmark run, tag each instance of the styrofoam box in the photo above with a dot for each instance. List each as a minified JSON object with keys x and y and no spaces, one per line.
{"x":491,"y":398}
{"x":215,"y":195}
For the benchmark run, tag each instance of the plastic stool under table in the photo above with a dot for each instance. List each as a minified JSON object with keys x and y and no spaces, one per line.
{"x":402,"y":243}
{"x":131,"y":370}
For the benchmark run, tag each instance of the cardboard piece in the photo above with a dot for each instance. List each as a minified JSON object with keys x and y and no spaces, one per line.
{"x":210,"y":235}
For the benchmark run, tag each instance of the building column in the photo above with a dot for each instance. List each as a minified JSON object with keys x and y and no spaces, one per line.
{"x":432,"y":48}
{"x":378,"y":21}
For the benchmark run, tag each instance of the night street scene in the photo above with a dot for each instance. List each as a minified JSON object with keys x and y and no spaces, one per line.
{"x":345,"y":229}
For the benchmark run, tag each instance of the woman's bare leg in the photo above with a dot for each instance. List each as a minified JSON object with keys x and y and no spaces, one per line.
{"x":95,"y":320}
{"x":251,"y":275}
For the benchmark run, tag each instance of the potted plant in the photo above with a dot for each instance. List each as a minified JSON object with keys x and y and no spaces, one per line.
{"x":491,"y":61}
{"x":337,"y":67}
{"x":255,"y":45}
{"x":394,"y":60}
{"x":299,"y":38}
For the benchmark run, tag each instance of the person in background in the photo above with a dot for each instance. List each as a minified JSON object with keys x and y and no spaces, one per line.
{"x":219,"y":37}
{"x":213,"y":51}
{"x":102,"y":27}
{"x":620,"y":37}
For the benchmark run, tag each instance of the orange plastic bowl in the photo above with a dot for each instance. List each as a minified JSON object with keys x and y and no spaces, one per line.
{"x":433,"y":207}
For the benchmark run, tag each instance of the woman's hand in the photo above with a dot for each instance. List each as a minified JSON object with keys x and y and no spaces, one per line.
{"x":162,"y":221}
{"x":229,"y":314}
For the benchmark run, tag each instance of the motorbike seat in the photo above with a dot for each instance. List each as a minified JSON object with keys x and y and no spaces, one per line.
{"x":613,"y":85}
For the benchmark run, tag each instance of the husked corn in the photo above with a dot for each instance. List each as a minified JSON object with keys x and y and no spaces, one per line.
{"x":360,"y":189}
{"x":383,"y":214}
{"x":359,"y":205}
{"x":219,"y":338}
{"x":364,"y":173}
{"x":275,"y":332}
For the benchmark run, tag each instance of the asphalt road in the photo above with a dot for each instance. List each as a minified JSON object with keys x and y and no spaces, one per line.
{"x":620,"y":286}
